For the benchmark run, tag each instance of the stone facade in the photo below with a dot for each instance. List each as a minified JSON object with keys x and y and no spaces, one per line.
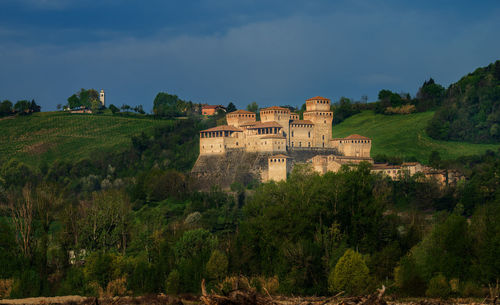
{"x":278,"y":168}
{"x":353,"y":145}
{"x":315,"y":131}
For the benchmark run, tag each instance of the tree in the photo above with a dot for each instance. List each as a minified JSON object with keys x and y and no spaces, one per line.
{"x":192,"y":252}
{"x":230,"y":107}
{"x":139,"y":109}
{"x":217,"y":265}
{"x":166,"y":104}
{"x":59,"y":106}
{"x":114,"y":109}
{"x":350,"y":274}
{"x":5,"y":108}
{"x":22,"y":106}
{"x":83,"y":98}
{"x":104,"y":220}
{"x":435,"y":159}
{"x":34,"y":107}
{"x":95,"y":106}
{"x":125,"y":107}
{"x":22,"y":212}
{"x":253,"y":106}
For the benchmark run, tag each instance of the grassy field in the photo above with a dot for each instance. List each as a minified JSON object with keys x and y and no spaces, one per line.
{"x":404,"y":135}
{"x":49,"y":136}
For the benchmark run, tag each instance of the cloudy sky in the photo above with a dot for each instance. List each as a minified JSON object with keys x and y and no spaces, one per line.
{"x":217,"y":51}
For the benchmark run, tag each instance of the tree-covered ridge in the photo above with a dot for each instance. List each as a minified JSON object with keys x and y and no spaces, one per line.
{"x":471,"y":108}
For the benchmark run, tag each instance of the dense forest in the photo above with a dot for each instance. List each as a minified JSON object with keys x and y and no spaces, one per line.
{"x":131,"y":222}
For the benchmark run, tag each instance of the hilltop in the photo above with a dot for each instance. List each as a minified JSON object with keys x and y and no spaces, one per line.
{"x":405,"y":136}
{"x":471,"y":108}
{"x":49,"y":136}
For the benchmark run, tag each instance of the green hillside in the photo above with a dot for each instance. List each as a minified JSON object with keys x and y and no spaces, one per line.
{"x":49,"y":136}
{"x":404,"y":135}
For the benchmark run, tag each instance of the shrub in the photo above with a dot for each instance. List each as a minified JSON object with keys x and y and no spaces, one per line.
{"x":117,"y":287}
{"x":217,"y":265}
{"x":407,"y":277}
{"x":350,"y":275}
{"x":472,"y":289}
{"x":438,"y":287}
{"x":5,"y":288}
{"x":172,"y":282}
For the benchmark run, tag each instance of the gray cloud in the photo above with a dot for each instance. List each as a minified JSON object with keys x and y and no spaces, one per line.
{"x":278,"y":61}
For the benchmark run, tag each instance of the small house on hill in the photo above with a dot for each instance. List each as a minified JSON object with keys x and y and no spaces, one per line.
{"x":211,"y":109}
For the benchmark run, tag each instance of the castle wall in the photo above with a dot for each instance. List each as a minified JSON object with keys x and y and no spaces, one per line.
{"x":301,"y":135}
{"x":353,"y":147}
{"x":210,"y":146}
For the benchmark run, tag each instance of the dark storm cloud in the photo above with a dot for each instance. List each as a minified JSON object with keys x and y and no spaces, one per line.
{"x":279,"y":52}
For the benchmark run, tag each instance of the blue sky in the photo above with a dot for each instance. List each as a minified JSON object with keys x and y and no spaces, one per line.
{"x":271,"y":52}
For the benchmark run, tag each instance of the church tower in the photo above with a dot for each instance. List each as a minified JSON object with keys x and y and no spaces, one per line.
{"x":101,"y":98}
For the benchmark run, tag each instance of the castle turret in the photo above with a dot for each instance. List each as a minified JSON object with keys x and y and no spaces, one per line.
{"x":239,"y":117}
{"x":278,"y":168}
{"x":318,"y":112}
{"x":101,"y":98}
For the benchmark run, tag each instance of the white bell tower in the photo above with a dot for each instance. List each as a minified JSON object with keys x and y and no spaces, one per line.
{"x":101,"y":98}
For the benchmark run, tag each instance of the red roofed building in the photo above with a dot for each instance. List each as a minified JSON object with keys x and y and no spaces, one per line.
{"x":211,"y":109}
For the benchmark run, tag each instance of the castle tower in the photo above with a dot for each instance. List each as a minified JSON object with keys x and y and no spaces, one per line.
{"x":278,"y":167}
{"x":277,"y":114}
{"x":318,"y":112}
{"x":101,"y":98}
{"x":239,"y":117}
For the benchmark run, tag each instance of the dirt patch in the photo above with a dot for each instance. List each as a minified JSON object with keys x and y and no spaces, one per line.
{"x":38,"y":148}
{"x":69,"y":299}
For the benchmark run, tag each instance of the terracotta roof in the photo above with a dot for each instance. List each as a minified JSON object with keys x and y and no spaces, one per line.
{"x":275,"y":108}
{"x":279,"y":156}
{"x":212,"y":106}
{"x":242,"y":112}
{"x":273,"y":136}
{"x":222,"y":128}
{"x":356,"y":137}
{"x":264,"y":125}
{"x":294,"y":113}
{"x":385,"y":166}
{"x":409,"y":163}
{"x":317,"y":98}
{"x":303,"y":122}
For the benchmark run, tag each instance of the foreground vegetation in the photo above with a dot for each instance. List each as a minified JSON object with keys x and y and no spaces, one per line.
{"x":130,"y":222}
{"x":404,"y":136}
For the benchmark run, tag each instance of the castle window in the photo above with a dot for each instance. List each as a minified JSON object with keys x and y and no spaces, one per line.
{"x":309,"y":134}
{"x":292,"y":133}
{"x":300,"y":144}
{"x":236,"y":143}
{"x":309,"y":144}
{"x":323,"y":137}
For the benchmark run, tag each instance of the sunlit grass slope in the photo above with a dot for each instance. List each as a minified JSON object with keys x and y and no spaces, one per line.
{"x":404,"y":136}
{"x":50,"y":136}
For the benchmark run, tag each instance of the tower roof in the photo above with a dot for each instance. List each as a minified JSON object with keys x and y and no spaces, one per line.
{"x":279,"y":156}
{"x":356,"y":137}
{"x":241,"y":112}
{"x":317,"y":98}
{"x":222,"y":128}
{"x":275,"y":108}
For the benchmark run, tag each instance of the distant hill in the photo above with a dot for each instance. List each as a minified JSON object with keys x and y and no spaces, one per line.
{"x":471,"y":109}
{"x":404,"y":136}
{"x":50,"y":136}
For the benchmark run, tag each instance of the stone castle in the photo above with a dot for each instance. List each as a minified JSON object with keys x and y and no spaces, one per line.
{"x":283,"y":138}
{"x":280,"y":130}
{"x":246,"y":149}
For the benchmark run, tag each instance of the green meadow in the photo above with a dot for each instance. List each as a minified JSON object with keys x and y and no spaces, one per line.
{"x":404,"y":136}
{"x":50,"y":136}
